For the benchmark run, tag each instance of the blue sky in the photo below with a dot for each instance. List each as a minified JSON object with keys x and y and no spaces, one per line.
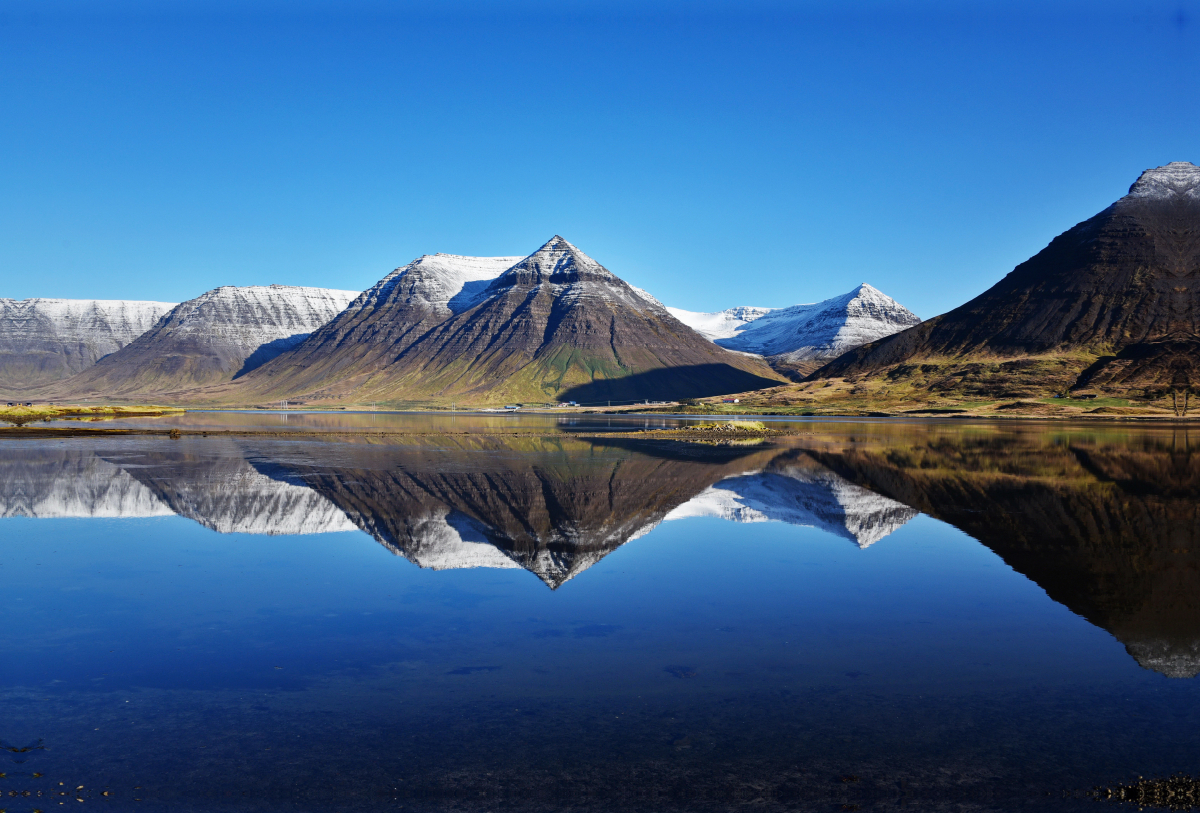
{"x":714,"y":153}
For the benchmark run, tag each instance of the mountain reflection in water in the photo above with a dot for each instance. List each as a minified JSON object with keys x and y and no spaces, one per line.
{"x":1105,"y":523}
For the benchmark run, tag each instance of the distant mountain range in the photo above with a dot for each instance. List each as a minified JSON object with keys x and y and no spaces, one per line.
{"x":1110,"y":306}
{"x":801,"y":338}
{"x":211,"y":339}
{"x":44,"y":340}
{"x":555,"y":325}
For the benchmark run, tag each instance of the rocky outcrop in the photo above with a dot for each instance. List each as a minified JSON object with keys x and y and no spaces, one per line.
{"x":46,"y":340}
{"x":554,"y":325}
{"x":1117,"y":296}
{"x":213,"y":338}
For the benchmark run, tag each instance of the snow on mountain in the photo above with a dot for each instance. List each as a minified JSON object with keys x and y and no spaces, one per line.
{"x":801,"y":495}
{"x":212,"y":339}
{"x":446,"y":283}
{"x":44,"y":340}
{"x":555,"y":324}
{"x":720,"y":325}
{"x":573,"y":278}
{"x":1178,"y":178}
{"x":249,"y":317}
{"x":823,"y":330}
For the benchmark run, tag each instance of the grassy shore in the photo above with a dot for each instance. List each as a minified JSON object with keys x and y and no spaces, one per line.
{"x":21,"y":415}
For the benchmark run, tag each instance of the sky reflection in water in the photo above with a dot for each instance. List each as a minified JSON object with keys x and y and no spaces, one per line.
{"x":600,"y":620}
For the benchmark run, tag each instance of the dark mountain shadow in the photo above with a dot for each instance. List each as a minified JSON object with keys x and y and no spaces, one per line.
{"x":668,"y":384}
{"x":268,"y":351}
{"x":469,"y":295}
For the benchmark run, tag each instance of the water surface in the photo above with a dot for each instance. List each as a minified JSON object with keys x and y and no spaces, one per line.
{"x":863,"y":613}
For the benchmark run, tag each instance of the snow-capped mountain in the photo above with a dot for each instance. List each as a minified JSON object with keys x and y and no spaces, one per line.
{"x":213,"y":338}
{"x":807,"y":495}
{"x":724,"y":324}
{"x":1176,"y":179}
{"x":442,"y":283}
{"x":43,"y":340}
{"x":551,"y":326}
{"x":1110,"y":303}
{"x":800,"y":333}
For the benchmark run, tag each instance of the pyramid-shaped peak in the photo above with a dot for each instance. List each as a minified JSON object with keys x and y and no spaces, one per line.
{"x":557,"y":261}
{"x":563,"y":250}
{"x":1176,"y":179}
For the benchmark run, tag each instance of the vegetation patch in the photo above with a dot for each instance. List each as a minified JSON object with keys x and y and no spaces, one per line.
{"x":21,"y":415}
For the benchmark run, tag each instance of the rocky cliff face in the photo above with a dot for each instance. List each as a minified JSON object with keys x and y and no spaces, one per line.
{"x":45,"y":340}
{"x":210,"y":339}
{"x":1117,"y":296}
{"x":554,"y":325}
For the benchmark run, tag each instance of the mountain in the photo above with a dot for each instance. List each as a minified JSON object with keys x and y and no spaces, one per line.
{"x":44,"y":340}
{"x":1112,"y":305}
{"x":213,"y":338}
{"x":555,"y":325}
{"x":720,"y":325}
{"x":801,"y":336}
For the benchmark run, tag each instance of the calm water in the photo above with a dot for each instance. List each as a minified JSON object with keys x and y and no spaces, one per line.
{"x":932,"y":615}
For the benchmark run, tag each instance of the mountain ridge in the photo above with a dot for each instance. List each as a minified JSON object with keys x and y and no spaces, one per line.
{"x":1110,"y":305}
{"x":209,"y":339}
{"x":554,"y":325}
{"x":45,"y":340}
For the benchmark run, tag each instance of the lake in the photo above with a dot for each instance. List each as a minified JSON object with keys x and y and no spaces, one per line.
{"x":434,"y":612}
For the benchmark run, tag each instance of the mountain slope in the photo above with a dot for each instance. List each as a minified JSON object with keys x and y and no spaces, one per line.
{"x":44,"y":340}
{"x":805,"y":333}
{"x":554,"y":325}
{"x":1112,"y":303}
{"x":378,"y":325}
{"x":209,"y":339}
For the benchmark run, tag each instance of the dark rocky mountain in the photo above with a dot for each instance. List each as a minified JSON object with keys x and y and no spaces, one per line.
{"x":1111,"y":531}
{"x":555,"y":325}
{"x":1111,"y":305}
{"x":207,"y":340}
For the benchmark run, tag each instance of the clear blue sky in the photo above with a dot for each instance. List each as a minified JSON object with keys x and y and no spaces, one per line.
{"x":714,"y":153}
